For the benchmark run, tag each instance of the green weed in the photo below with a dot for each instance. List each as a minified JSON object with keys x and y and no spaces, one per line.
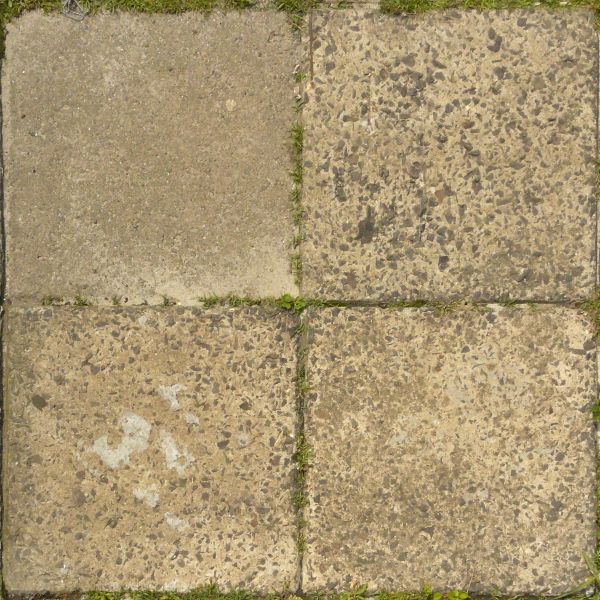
{"x":52,"y":300}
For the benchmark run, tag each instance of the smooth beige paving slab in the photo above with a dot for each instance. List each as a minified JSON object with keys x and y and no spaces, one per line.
{"x":451,"y":450}
{"x":148,"y":155}
{"x":148,"y":448}
{"x":451,"y":154}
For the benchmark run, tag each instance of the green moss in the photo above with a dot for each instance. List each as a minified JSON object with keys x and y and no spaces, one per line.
{"x":166,"y":301}
{"x":209,"y":301}
{"x":296,"y":7}
{"x":296,"y":208}
{"x":297,"y":140}
{"x":297,"y":268}
{"x":299,"y":76}
{"x":399,"y":304}
{"x":592,"y":307}
{"x":52,"y":300}
{"x":507,"y":302}
{"x":81,"y":301}
{"x":209,"y":592}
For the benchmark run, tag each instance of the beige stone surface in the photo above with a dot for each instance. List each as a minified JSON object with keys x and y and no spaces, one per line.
{"x":451,"y":154}
{"x":454,"y":450}
{"x":148,"y":155}
{"x":148,"y":448}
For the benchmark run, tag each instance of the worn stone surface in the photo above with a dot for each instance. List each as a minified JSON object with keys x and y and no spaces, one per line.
{"x":453,"y":450}
{"x":451,"y":154}
{"x":148,"y":448}
{"x":148,"y":155}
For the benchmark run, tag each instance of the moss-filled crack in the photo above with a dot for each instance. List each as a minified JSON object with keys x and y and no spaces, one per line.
{"x":303,"y":451}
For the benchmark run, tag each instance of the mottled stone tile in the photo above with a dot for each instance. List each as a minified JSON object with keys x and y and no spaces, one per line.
{"x":451,"y":154}
{"x":148,"y":448}
{"x":148,"y":155}
{"x":454,"y":450}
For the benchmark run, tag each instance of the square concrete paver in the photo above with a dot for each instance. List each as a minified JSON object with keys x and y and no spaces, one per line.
{"x":148,"y":155}
{"x":451,"y":450}
{"x":149,"y":449}
{"x":451,"y":154}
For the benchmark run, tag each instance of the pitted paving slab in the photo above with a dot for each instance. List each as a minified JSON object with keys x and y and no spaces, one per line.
{"x":148,"y":155}
{"x":451,"y":450}
{"x":451,"y":154}
{"x":149,"y":449}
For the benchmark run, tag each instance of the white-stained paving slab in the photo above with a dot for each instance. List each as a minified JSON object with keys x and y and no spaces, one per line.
{"x":148,"y":449}
{"x":148,"y":155}
{"x":454,"y":450}
{"x":451,"y":154}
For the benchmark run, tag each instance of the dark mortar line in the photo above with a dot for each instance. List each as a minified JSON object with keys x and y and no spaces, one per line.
{"x":3,"y":593}
{"x":301,"y":342}
{"x":300,"y":484}
{"x":311,"y":302}
{"x":595,"y":262}
{"x":597,"y":165}
{"x":402,"y":304}
{"x":278,"y":595}
{"x":310,"y":44}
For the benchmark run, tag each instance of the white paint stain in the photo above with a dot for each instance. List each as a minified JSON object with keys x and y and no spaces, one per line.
{"x":149,"y":495}
{"x":175,"y":458}
{"x":398,"y":439}
{"x":243,"y":440}
{"x":136,"y":432}
{"x":143,"y":320}
{"x":175,"y":522}
{"x":191,"y":419}
{"x":169,"y":393}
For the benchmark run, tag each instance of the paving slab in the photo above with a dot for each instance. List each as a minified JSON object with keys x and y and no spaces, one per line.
{"x":148,"y":449}
{"x":148,"y":155}
{"x":453,"y":450}
{"x":451,"y":154}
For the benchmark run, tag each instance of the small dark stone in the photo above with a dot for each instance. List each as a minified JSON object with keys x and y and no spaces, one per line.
{"x":39,"y":401}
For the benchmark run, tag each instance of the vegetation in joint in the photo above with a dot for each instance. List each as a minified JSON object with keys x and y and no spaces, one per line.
{"x":592,"y":307}
{"x":302,"y":455}
{"x":299,"y":304}
{"x":421,"y":6}
{"x":297,"y":211}
{"x":299,"y":76}
{"x":78,"y":300}
{"x":507,"y":301}
{"x":296,"y":9}
{"x":303,"y":452}
{"x":359,"y":592}
{"x":209,"y":592}
{"x":81,"y":301}
{"x":52,"y":300}
{"x":166,"y":301}
{"x":297,"y":268}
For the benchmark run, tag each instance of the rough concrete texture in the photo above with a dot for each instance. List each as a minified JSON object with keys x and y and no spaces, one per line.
{"x":148,"y":155}
{"x":148,"y":448}
{"x":451,"y":154}
{"x":455,"y":450}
